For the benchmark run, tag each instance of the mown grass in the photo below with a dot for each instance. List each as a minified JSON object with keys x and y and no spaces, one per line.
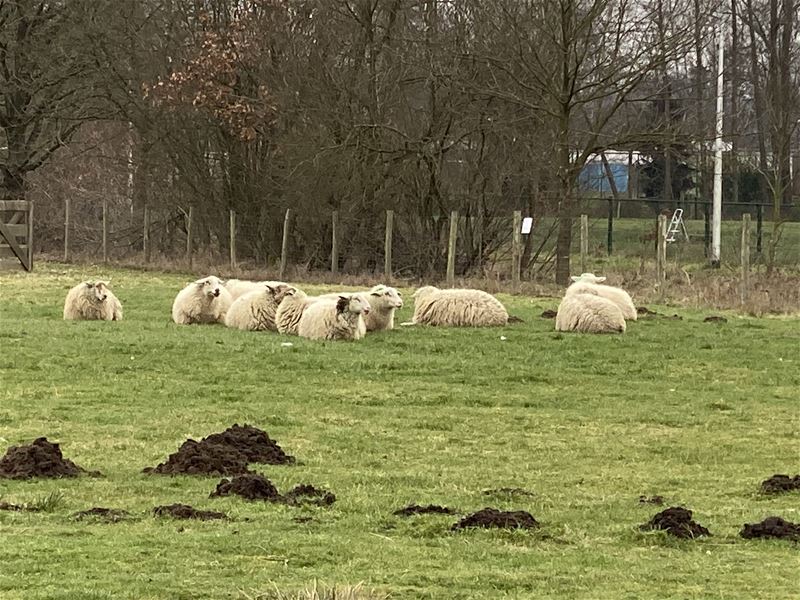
{"x":696,"y":412}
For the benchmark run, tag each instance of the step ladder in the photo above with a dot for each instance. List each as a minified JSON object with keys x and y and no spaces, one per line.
{"x":676,"y":226}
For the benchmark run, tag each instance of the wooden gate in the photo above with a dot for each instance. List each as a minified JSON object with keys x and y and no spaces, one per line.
{"x":16,"y":232}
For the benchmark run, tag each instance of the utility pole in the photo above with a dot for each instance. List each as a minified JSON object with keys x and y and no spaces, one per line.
{"x":716,"y":217}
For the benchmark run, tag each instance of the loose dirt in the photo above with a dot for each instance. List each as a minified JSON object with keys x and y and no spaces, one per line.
{"x":40,"y":458}
{"x":715,"y":319}
{"x":508,"y":491}
{"x":676,"y":521}
{"x":493,"y":518}
{"x":771,"y":527}
{"x":514,"y":319}
{"x":549,"y":314}
{"x":778,"y":484}
{"x":184,"y":511}
{"x":109,"y":515}
{"x":16,"y":507}
{"x":308,"y":494}
{"x":251,"y":487}
{"x":657,"y":500}
{"x":224,"y":453}
{"x":416,"y":509}
{"x":254,"y":443}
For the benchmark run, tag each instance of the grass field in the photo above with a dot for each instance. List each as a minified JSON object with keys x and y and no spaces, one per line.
{"x":699,"y":413}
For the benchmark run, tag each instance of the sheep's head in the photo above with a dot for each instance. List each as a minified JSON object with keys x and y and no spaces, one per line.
{"x":588,"y":278}
{"x":352,"y":303}
{"x":98,"y":290}
{"x":209,"y":286}
{"x":293,"y":293}
{"x":387,"y":296}
{"x":279,"y":292}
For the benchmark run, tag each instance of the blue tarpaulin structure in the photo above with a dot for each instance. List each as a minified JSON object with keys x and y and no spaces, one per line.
{"x":593,"y":177}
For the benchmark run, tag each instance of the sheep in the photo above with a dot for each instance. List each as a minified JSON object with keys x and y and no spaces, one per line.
{"x":457,"y":308}
{"x":92,"y":301}
{"x":291,"y":308}
{"x":240,"y":287}
{"x":383,"y":302}
{"x":588,"y":313}
{"x":203,"y":301}
{"x":255,"y":311}
{"x":341,"y":319}
{"x":589,"y":283}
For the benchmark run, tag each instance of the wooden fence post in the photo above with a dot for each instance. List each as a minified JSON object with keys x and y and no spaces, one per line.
{"x":516,"y":248}
{"x":105,"y":230}
{"x":745,"y":289}
{"x":661,"y":250}
{"x":66,"y":229}
{"x":189,"y":224}
{"x":451,"y":249}
{"x":146,"y":238}
{"x":30,"y":236}
{"x":233,"y":239}
{"x":387,"y":247}
{"x":584,"y":243}
{"x":335,"y":243}
{"x":285,"y":242}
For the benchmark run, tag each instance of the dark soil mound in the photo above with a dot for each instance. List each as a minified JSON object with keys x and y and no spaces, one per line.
{"x":643,"y":311}
{"x":38,"y":459}
{"x":657,"y":500}
{"x":715,"y":319}
{"x":184,"y":511}
{"x":549,"y":314}
{"x":15,"y":507}
{"x":308,"y":494}
{"x":508,"y":491}
{"x":251,"y":487}
{"x":416,"y":509}
{"x":254,"y":443}
{"x":109,"y":515}
{"x":513,"y":319}
{"x":202,"y":458}
{"x":677,"y":521}
{"x":771,"y":527}
{"x":777,"y":484}
{"x":674,"y":317}
{"x":491,"y":517}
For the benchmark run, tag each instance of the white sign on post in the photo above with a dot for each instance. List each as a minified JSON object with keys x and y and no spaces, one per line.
{"x":527,"y":224}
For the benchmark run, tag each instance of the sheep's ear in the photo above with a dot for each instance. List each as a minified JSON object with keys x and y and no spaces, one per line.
{"x":341,"y":303}
{"x":575,"y":278}
{"x":376,"y":293}
{"x":88,"y":284}
{"x":599,"y":278}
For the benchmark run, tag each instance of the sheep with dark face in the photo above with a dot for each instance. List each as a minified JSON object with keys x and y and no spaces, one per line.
{"x":203,"y":301}
{"x":341,"y":319}
{"x":255,"y":311}
{"x":383,"y":302}
{"x":92,"y":301}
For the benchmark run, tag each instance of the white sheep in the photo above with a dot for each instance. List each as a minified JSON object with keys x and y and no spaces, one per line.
{"x":92,"y":301}
{"x":240,"y":287}
{"x":341,"y":319}
{"x":383,"y":302}
{"x":203,"y":301}
{"x":589,"y":283}
{"x":291,"y":308}
{"x":588,"y":313}
{"x":457,"y":308}
{"x":255,"y":311}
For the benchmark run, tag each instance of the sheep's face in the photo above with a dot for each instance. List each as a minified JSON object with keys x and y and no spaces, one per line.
{"x":210,"y":286}
{"x":588,"y":278}
{"x":279,"y":292}
{"x":352,"y":303}
{"x":98,"y":291}
{"x":388,"y":296}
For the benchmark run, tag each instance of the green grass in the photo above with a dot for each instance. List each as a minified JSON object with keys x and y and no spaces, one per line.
{"x":699,"y":413}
